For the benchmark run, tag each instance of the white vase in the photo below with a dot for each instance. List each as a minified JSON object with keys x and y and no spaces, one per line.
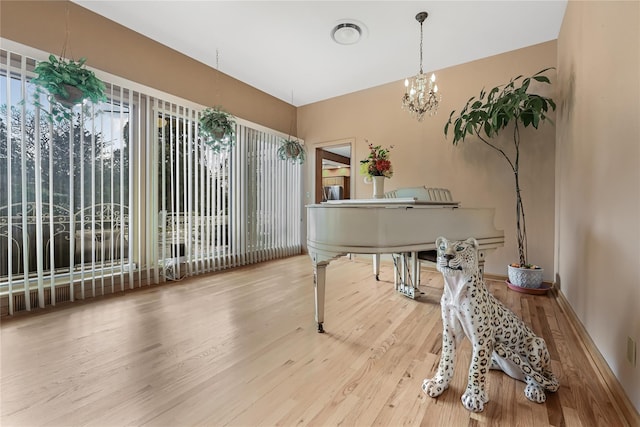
{"x":378,"y":187}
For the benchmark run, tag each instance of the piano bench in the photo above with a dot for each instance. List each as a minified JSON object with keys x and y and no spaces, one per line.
{"x":431,"y":256}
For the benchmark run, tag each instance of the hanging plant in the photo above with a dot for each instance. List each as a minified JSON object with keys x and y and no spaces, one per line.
{"x":291,"y":149}
{"x":217,"y":129}
{"x":68,"y":83}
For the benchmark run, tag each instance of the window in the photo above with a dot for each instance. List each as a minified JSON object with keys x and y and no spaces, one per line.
{"x":66,"y":207}
{"x":125,"y":194}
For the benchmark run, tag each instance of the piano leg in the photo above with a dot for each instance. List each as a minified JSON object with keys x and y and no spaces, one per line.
{"x":415,"y":270}
{"x":397,"y":277}
{"x":319,"y":275}
{"x":376,"y":266}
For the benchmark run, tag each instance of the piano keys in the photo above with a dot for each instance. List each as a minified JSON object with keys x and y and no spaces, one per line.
{"x":389,"y":226}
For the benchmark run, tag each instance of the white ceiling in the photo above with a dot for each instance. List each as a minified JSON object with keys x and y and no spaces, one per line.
{"x":284,"y":48}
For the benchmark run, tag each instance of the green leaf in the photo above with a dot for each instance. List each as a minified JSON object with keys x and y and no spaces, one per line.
{"x":469,"y":128}
{"x":536,"y":120}
{"x":487,"y":128}
{"x":492,"y":93}
{"x":543,"y":79}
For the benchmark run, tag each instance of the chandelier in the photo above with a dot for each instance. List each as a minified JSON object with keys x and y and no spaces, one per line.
{"x":421,"y":93}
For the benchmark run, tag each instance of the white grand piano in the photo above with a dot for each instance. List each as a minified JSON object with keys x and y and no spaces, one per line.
{"x":402,"y":225}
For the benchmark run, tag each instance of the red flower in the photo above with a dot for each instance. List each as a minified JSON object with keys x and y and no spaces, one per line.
{"x":383,"y":165}
{"x":377,"y":163}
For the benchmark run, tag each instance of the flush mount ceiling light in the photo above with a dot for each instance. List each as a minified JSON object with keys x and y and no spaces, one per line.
{"x":346,"y":33}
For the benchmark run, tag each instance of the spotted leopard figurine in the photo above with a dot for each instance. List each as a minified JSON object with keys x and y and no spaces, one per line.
{"x":500,"y":340}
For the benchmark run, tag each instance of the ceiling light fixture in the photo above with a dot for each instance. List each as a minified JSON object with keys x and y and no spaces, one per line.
{"x":421,"y":94}
{"x":346,"y":33}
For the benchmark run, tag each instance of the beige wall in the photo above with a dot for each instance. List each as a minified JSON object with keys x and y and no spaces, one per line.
{"x":598,"y":178}
{"x":474,"y":173}
{"x":110,"y":47}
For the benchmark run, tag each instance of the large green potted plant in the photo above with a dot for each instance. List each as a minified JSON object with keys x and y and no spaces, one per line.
{"x":509,"y":106}
{"x":217,"y":129}
{"x":68,"y":82}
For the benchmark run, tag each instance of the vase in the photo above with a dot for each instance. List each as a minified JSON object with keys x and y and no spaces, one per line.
{"x":378,"y":187}
{"x":525,"y":277}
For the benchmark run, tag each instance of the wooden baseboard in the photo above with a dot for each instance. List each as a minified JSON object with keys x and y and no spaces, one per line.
{"x":618,"y":396}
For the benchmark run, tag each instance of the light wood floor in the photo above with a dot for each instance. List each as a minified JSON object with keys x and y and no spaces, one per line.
{"x":240,"y":348}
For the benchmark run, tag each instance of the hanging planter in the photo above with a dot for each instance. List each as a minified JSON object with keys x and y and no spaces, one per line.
{"x":68,"y":82}
{"x":217,"y":129}
{"x":74,"y":96}
{"x":291,"y":149}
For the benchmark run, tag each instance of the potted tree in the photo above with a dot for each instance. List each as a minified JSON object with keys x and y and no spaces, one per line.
{"x":68,"y":82}
{"x":217,"y":128}
{"x":513,"y":106}
{"x":291,"y":149}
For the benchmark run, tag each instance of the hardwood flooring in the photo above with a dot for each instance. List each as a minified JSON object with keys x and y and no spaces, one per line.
{"x":240,"y":348}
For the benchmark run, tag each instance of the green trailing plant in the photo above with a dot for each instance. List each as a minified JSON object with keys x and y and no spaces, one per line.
{"x":217,"y":129}
{"x":512,"y":106}
{"x":68,"y":83}
{"x":291,"y":149}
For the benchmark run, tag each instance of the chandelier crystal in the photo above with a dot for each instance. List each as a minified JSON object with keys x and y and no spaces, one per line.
{"x":420,"y":92}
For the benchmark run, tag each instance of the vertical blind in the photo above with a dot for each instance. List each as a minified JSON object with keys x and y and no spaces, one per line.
{"x":124,"y":194}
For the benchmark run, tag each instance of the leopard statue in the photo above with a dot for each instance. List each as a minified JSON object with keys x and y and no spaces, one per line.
{"x":500,"y":340}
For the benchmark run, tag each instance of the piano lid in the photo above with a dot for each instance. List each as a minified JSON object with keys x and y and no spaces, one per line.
{"x":393,"y":228}
{"x":392,"y":201}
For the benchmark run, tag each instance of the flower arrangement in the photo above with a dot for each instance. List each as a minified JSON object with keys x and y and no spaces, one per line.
{"x":377,"y":163}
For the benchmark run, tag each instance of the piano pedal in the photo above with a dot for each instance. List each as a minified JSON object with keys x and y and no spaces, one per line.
{"x":409,"y":291}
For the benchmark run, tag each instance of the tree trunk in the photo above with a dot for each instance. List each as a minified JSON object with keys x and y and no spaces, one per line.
{"x":521,"y":229}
